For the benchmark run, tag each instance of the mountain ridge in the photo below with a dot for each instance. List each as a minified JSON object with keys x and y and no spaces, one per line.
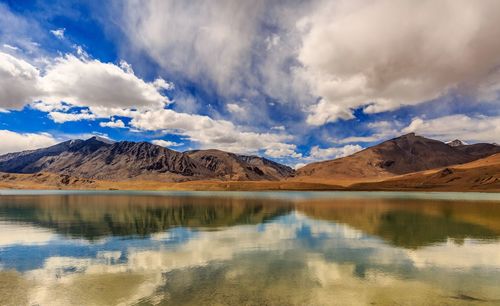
{"x":96,"y":158}
{"x":100,"y":159}
{"x":401,"y":155}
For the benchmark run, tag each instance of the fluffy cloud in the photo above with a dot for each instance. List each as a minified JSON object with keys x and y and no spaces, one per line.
{"x":236,"y":109}
{"x":59,"y":33}
{"x":18,"y":82}
{"x":166,"y":143}
{"x":241,"y":112}
{"x":384,"y":54}
{"x":210,"y":133}
{"x":93,"y":83}
{"x":113,"y":124}
{"x":317,"y":153}
{"x":463,"y":127}
{"x":60,"y":117}
{"x":15,"y":142}
{"x":77,"y":81}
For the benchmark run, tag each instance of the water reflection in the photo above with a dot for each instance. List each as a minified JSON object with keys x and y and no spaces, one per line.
{"x":191,"y":250}
{"x":94,"y":217}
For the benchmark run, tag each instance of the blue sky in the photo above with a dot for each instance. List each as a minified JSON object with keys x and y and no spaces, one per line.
{"x":293,"y":81}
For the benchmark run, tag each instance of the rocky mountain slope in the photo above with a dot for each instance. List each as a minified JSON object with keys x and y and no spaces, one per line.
{"x":405,"y":154}
{"x":96,"y":158}
{"x":236,"y":167}
{"x":480,"y":175}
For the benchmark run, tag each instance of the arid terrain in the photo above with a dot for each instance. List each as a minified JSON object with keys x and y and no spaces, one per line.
{"x":409,"y":162}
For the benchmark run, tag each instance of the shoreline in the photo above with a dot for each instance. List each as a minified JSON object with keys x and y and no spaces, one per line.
{"x":52,"y":181}
{"x":248,"y":186}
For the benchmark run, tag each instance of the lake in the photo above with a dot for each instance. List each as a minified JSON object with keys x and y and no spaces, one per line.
{"x":244,"y":248}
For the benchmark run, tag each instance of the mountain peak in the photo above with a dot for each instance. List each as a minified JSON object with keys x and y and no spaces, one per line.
{"x":101,"y":139}
{"x":412,"y":134}
{"x":456,"y":143}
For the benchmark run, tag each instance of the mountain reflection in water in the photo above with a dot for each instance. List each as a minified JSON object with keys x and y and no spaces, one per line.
{"x":96,"y":249}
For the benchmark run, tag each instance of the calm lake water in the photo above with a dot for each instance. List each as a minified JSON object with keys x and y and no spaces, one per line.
{"x":288,"y":248}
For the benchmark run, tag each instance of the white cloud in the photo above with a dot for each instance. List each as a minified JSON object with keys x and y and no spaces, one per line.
{"x":160,"y":83}
{"x":236,"y":49}
{"x":15,"y":142}
{"x":93,"y":83}
{"x":166,"y":143}
{"x":235,"y":109}
{"x":83,"y":54}
{"x":59,"y":33}
{"x":49,"y":107}
{"x":463,"y":127}
{"x":204,"y":39}
{"x":299,"y":165}
{"x":77,"y":81}
{"x":10,"y":47}
{"x":272,"y":41}
{"x":19,"y":32}
{"x":113,"y":124}
{"x":282,"y":150}
{"x":59,"y":117}
{"x":126,"y":67}
{"x":210,"y":133}
{"x":317,"y":153}
{"x":19,"y":82}
{"x":357,"y":53}
{"x":239,"y":112}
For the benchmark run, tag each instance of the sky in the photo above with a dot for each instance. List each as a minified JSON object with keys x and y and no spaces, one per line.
{"x":293,"y":81}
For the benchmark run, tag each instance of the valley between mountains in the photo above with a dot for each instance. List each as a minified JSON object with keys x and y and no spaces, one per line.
{"x":408,"y":162}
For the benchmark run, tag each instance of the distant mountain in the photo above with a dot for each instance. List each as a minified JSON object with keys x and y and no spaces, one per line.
{"x":101,"y":159}
{"x":236,"y":167}
{"x":401,"y":155}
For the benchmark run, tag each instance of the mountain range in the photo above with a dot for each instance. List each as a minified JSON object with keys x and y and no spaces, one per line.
{"x":406,"y":162}
{"x":101,"y":159}
{"x":402,"y":155}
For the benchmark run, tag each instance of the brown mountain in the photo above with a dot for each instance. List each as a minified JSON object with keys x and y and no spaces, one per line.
{"x":97,"y":158}
{"x":401,"y":155}
{"x":481,"y":175}
{"x":479,"y":150}
{"x":230,"y":166}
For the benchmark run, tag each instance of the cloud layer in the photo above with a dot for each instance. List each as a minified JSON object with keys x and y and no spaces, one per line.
{"x":15,"y":142}
{"x":385,"y":54}
{"x":466,"y":128}
{"x":327,"y":58}
{"x":210,"y":133}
